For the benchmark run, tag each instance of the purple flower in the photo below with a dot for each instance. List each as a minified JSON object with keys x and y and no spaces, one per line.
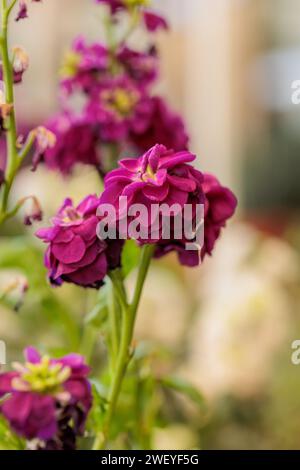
{"x":160,"y":177}
{"x":22,"y":13}
{"x":84,"y":65}
{"x":141,"y":67}
{"x":154,"y":22}
{"x":39,"y":393}
{"x":20,"y":64}
{"x":219,"y":206}
{"x":164,"y":126}
{"x":75,"y":253}
{"x":119,"y":106}
{"x":76,"y":142}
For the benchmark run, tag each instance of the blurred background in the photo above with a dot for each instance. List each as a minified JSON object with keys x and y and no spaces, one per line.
{"x":228,"y":67}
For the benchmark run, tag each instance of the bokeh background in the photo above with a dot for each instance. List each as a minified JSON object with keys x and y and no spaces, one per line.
{"x":227,"y":66}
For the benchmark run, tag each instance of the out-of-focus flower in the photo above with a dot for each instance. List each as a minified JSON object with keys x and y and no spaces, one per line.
{"x":44,"y":139}
{"x":35,"y":214}
{"x":164,"y":126}
{"x":76,"y":142}
{"x":20,"y":64}
{"x":140,"y":66}
{"x":22,"y":13}
{"x":47,"y":399}
{"x":23,"y":9}
{"x":75,"y":253}
{"x":119,"y":106}
{"x":84,"y":65}
{"x":154,"y":22}
{"x":13,"y":287}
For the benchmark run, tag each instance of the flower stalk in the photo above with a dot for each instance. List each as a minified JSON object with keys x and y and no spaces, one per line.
{"x":14,"y":158}
{"x":129,"y":313}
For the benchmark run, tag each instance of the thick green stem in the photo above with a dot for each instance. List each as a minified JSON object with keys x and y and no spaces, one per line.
{"x":124,"y":355}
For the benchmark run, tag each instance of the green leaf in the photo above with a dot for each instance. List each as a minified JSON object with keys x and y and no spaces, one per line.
{"x":186,"y":388}
{"x":130,"y":257}
{"x":8,"y":440}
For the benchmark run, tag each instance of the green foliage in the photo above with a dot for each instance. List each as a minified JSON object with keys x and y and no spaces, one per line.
{"x":8,"y":440}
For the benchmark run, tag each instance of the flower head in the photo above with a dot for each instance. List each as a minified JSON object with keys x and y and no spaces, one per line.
{"x":75,"y":253}
{"x":38,"y":393}
{"x":84,"y":66}
{"x":119,"y":106}
{"x":165,"y":178}
{"x":161,"y":177}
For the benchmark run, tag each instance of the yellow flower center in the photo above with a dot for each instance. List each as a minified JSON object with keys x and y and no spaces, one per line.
{"x":119,"y":100}
{"x":42,"y":377}
{"x":71,"y":64}
{"x":136,"y":3}
{"x":149,"y":174}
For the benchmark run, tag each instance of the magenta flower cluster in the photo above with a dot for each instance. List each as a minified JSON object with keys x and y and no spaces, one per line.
{"x":47,"y":400}
{"x":162,"y":176}
{"x":119,"y":109}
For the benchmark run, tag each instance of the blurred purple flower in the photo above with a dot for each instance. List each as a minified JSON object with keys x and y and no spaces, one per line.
{"x":41,"y":392}
{"x":164,"y":126}
{"x":140,"y":66}
{"x":84,"y":65}
{"x":76,"y":142}
{"x":75,"y":253}
{"x":22,"y":12}
{"x":154,"y":22}
{"x":119,"y":106}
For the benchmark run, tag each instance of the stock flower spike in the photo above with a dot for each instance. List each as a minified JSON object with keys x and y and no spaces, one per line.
{"x":75,"y":253}
{"x":47,"y":399}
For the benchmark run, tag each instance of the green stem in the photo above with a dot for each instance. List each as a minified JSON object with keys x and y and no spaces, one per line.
{"x":129,"y":317}
{"x":11,"y":140}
